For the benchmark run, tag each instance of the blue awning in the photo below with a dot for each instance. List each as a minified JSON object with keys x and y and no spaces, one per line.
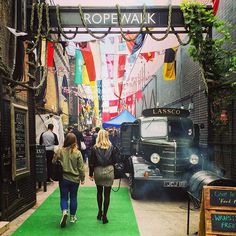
{"x":124,"y":116}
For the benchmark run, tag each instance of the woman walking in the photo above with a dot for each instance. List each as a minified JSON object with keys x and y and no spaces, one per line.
{"x":101,"y":161}
{"x":73,"y":174}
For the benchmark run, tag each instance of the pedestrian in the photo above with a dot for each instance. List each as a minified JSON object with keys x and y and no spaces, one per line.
{"x":101,"y":169}
{"x":69,"y":129}
{"x":88,"y":138}
{"x":73,"y":174}
{"x":80,"y":138}
{"x":49,"y":140}
{"x":95,"y":134}
{"x":114,"y":137}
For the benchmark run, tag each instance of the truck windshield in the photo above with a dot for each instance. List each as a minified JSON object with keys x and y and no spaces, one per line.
{"x":180,"y":128}
{"x":153,"y":128}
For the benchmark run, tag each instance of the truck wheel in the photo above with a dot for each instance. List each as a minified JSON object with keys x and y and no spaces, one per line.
{"x":134,"y":187}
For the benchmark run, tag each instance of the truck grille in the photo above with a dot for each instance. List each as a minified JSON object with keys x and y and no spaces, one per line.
{"x":170,"y":165}
{"x":174,"y":164}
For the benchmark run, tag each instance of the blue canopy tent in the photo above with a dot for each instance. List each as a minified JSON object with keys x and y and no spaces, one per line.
{"x":124,"y":116}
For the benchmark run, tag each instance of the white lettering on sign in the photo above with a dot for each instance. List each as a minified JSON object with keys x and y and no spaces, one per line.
{"x":99,"y":17}
{"x":135,"y":18}
{"x":112,"y":18}
{"x":126,"y":18}
{"x":150,"y":18}
{"x":87,"y":18}
{"x":166,"y":112}
{"x":106,"y":18}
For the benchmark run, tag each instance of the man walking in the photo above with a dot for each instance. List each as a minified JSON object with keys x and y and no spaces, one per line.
{"x":49,"y":140}
{"x":79,"y":135}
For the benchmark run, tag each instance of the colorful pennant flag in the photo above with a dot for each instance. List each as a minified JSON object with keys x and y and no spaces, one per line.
{"x":88,"y":59}
{"x":85,"y":77}
{"x":138,"y":43}
{"x":149,"y":56}
{"x":50,"y":51}
{"x":130,"y":44}
{"x":129,"y":100}
{"x":78,"y":66}
{"x":110,"y":65}
{"x":169,"y":64}
{"x":139,"y":95}
{"x":121,"y":65}
{"x":65,"y":87}
{"x":215,"y":6}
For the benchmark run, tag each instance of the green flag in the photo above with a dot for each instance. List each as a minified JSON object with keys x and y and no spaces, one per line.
{"x":78,"y":66}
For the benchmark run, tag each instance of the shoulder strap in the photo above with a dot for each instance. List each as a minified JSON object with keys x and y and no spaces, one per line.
{"x":55,"y":139}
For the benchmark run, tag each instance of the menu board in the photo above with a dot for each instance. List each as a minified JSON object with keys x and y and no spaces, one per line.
{"x":20,"y":137}
{"x":220,"y":210}
{"x":41,"y":163}
{"x":20,"y":140}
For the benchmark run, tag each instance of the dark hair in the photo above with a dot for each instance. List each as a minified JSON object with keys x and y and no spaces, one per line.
{"x":70,"y":128}
{"x":70,"y":141}
{"x":75,"y":125}
{"x":97,"y":129}
{"x":50,"y":126}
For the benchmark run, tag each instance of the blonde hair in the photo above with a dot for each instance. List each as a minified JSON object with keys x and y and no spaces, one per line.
{"x":102,"y":140}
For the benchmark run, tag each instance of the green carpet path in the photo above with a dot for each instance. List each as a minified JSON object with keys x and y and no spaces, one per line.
{"x":45,"y":220}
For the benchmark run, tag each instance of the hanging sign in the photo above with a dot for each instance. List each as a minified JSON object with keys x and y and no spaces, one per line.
{"x":99,"y":17}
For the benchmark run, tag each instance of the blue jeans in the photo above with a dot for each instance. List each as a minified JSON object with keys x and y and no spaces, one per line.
{"x":68,"y":189}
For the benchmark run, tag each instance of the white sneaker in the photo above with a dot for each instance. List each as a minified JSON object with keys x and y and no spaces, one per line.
{"x":73,"y":219}
{"x":64,"y":218}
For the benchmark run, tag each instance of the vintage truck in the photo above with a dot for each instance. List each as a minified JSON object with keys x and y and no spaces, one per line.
{"x":160,"y":148}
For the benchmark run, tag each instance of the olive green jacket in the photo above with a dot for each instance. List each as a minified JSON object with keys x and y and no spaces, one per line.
{"x":72,"y":163}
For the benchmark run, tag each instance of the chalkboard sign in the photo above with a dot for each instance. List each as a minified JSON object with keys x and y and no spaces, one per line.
{"x":219,"y":211}
{"x":20,"y":140}
{"x":223,"y":197}
{"x":223,"y":222}
{"x":21,"y":158}
{"x":220,"y":198}
{"x":40,"y":163}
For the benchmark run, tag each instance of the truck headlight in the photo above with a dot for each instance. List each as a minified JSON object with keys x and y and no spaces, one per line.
{"x":194,"y":159}
{"x":155,"y":158}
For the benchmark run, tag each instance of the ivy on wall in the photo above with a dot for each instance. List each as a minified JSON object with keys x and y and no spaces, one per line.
{"x":216,"y":56}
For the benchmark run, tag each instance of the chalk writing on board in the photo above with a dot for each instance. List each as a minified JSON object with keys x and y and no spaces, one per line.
{"x":20,"y":137}
{"x":41,"y":163}
{"x":223,"y":198}
{"x":223,"y":222}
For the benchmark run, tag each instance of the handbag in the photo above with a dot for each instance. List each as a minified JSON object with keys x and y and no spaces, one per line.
{"x":57,"y":171}
{"x":83,"y":146}
{"x":119,"y":173}
{"x":119,"y":170}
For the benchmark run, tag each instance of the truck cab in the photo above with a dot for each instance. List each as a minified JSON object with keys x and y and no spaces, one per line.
{"x":159,"y":149}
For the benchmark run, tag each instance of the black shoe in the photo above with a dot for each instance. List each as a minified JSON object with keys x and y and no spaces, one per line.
{"x":104,"y":220}
{"x":99,"y":216}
